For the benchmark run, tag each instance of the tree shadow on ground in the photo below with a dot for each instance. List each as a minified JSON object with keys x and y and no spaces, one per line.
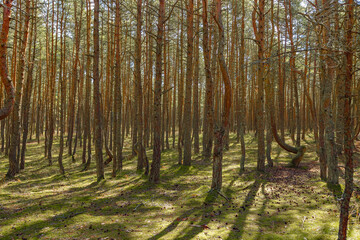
{"x":195,"y":229}
{"x":58,"y":221}
{"x":172,"y":226}
{"x":237,"y":229}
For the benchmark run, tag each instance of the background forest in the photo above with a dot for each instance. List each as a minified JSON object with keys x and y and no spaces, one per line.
{"x":179,"y":119}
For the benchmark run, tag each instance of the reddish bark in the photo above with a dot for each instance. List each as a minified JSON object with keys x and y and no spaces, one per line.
{"x":9,"y":102}
{"x":349,"y":167}
{"x":220,"y":133}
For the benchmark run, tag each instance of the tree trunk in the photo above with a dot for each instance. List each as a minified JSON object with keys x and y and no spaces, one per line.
{"x":139,"y":110}
{"x":15,"y":129}
{"x":155,"y":166}
{"x":196,"y":87}
{"x":349,"y":167}
{"x":259,"y":30}
{"x":181,"y":92}
{"x":97,"y":102}
{"x":189,"y":78}
{"x":208,"y":125}
{"x":117,"y":164}
{"x":330,"y":147}
{"x":9,"y":101}
{"x":62,"y":79}
{"x":220,"y":133}
{"x":27,"y":96}
{"x":87,"y":116}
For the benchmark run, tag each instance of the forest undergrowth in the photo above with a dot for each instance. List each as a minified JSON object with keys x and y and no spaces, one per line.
{"x":282,"y":203}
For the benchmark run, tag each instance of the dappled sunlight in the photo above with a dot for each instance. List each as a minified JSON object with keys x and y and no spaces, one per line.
{"x":282,"y":203}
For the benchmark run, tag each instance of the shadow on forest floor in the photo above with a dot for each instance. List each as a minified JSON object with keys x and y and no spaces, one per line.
{"x":282,"y":203}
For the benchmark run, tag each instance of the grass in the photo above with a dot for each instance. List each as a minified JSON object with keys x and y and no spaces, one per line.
{"x":282,"y":203}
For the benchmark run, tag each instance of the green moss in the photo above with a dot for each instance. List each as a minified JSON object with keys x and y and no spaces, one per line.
{"x":281,"y":203}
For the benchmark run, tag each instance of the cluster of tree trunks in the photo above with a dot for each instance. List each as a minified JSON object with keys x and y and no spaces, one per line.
{"x":95,"y":85}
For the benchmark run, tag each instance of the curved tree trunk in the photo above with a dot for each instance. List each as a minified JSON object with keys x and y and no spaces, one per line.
{"x":298,"y":150}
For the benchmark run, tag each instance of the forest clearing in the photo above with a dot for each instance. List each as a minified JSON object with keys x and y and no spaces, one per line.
{"x":179,"y":119}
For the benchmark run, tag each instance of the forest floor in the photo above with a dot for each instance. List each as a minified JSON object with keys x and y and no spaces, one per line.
{"x":282,"y":203}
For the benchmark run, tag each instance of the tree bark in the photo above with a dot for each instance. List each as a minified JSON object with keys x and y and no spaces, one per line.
{"x":349,"y":167}
{"x":117,"y":164}
{"x":259,"y":30}
{"x":9,"y":88}
{"x":87,"y":116}
{"x":189,"y":80}
{"x":62,"y":79}
{"x":97,"y":102}
{"x":208,"y":125}
{"x":220,"y":133}
{"x":27,"y":95}
{"x":15,"y":129}
{"x":139,"y":110}
{"x":330,"y":147}
{"x":155,"y":165}
{"x":196,"y":113}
